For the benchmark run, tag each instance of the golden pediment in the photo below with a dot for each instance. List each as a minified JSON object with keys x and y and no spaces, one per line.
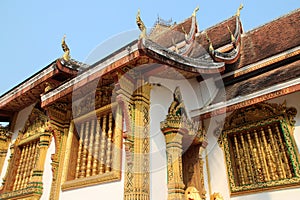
{"x":36,"y":123}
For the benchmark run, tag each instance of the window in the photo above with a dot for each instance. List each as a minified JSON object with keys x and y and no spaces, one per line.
{"x":28,"y":157}
{"x":25,"y":171}
{"x":260,"y":149}
{"x":94,"y":145}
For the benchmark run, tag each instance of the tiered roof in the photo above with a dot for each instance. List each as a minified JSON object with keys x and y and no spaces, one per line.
{"x":262,"y":57}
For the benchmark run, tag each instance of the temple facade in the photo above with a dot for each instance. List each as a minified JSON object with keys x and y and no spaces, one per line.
{"x":177,"y":114}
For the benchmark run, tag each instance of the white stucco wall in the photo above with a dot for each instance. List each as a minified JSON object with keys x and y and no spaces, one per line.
{"x":47,"y":174}
{"x":215,"y":176}
{"x":20,"y":123}
{"x":161,"y":98}
{"x":217,"y":165}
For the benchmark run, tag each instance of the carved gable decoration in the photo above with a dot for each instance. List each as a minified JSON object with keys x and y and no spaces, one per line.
{"x":94,"y":100}
{"x":259,"y":112}
{"x":36,"y":123}
{"x":5,"y":134}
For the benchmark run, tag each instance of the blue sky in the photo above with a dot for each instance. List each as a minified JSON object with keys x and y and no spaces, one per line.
{"x":31,"y":30}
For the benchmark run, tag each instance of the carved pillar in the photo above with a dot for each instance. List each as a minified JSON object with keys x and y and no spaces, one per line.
{"x":177,"y":129}
{"x":135,"y":97}
{"x":60,"y":114}
{"x":141,"y":143}
{"x":124,"y":89}
{"x":174,"y":152}
{"x":37,"y":174}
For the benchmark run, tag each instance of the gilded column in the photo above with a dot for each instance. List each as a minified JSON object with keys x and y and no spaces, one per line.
{"x":141,"y":143}
{"x":137,"y":144}
{"x":174,"y":152}
{"x":116,"y":148}
{"x":174,"y":127}
{"x":125,"y":122}
{"x":36,"y":180}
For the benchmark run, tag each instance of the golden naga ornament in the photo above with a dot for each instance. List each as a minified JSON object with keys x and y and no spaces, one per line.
{"x":141,"y":24}
{"x":238,"y":12}
{"x":66,"y":49}
{"x":195,"y":11}
{"x":211,"y":47}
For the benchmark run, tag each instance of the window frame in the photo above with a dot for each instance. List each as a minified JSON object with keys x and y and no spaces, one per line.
{"x":285,"y":122}
{"x":116,"y":153}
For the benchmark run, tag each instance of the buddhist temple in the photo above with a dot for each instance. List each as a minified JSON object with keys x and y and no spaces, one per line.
{"x":179,"y":113}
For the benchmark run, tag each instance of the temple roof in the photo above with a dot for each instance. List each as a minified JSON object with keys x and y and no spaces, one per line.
{"x":261,"y":81}
{"x":222,"y":48}
{"x":269,"y":60}
{"x":270,"y":39}
{"x":199,"y":52}
{"x":166,"y":35}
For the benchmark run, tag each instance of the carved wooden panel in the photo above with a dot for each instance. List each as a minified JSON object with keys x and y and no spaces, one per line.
{"x":192,"y":167}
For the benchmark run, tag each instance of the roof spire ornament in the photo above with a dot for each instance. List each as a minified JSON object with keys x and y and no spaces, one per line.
{"x":195,"y":11}
{"x":211,"y":48}
{"x":233,"y":40}
{"x":66,"y":49}
{"x":238,"y":12}
{"x":141,"y":24}
{"x":185,"y":33}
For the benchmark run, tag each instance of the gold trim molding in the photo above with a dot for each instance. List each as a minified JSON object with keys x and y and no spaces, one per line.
{"x":260,"y":150}
{"x":92,"y":180}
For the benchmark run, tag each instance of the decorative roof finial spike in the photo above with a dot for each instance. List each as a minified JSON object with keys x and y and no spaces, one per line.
{"x":185,"y":33}
{"x":66,"y":49}
{"x":141,"y":24}
{"x":238,"y":12}
{"x":195,"y":11}
{"x":211,"y":48}
{"x":231,"y":35}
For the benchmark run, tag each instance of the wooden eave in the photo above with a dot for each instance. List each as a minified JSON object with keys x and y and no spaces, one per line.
{"x":29,"y":91}
{"x":181,"y":62}
{"x":112,"y":65}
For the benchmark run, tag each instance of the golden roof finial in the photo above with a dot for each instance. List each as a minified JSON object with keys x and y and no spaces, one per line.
{"x":195,"y":11}
{"x":141,"y":24}
{"x":211,"y":48}
{"x":66,"y":49}
{"x":185,"y":33}
{"x":238,"y":12}
{"x":231,"y":35}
